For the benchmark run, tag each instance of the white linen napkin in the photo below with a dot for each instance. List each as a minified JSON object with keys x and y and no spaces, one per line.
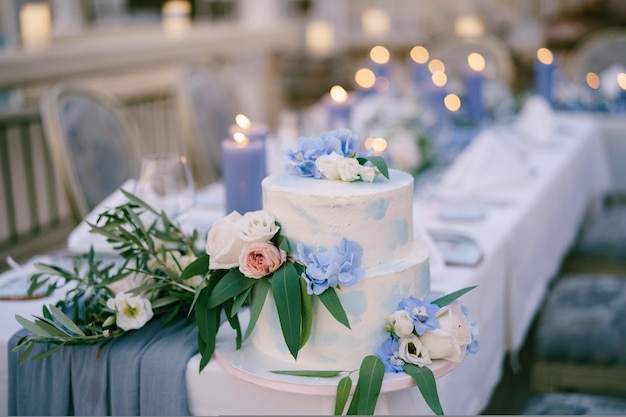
{"x":536,"y":122}
{"x":488,"y":166}
{"x":80,"y":239}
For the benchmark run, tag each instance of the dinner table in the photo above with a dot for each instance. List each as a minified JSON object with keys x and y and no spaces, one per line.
{"x":506,"y":238}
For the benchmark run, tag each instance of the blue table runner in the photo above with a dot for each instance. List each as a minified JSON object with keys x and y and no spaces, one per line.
{"x":139,"y":373}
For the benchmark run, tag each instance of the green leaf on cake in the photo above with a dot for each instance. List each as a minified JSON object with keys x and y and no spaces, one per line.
{"x":343,"y":392}
{"x":286,"y":291}
{"x":331,"y":301}
{"x":378,"y":161}
{"x":261,"y":288}
{"x":230,"y":286}
{"x":307,"y":313}
{"x":371,"y":375}
{"x":425,"y":380}
{"x":449,"y":298}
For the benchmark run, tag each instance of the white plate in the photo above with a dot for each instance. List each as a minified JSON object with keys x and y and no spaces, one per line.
{"x":253,"y":366}
{"x":455,"y":248}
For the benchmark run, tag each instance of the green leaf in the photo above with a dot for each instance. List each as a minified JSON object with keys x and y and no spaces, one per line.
{"x":51,"y":327}
{"x":286,"y":291}
{"x":331,"y":301}
{"x":240,"y":300}
{"x":378,"y":161}
{"x":24,"y":356}
{"x":133,"y":198}
{"x":48,"y":352}
{"x":425,"y":381}
{"x":32,"y":327}
{"x":261,"y":289}
{"x":447,"y":299}
{"x":310,"y":373}
{"x":343,"y":392}
{"x":307,"y":313}
{"x":352,"y":409}
{"x":371,"y":375}
{"x":200,"y":266}
{"x":65,"y":321}
{"x":164,"y":301}
{"x":233,"y":284}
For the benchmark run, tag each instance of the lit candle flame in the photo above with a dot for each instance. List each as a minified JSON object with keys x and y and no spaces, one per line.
{"x":419,"y":54}
{"x":593,"y":80}
{"x":242,"y":121}
{"x":476,"y":61}
{"x":439,"y":78}
{"x":436,"y":65}
{"x":378,"y":145}
{"x":545,"y":56}
{"x":452,"y":102}
{"x":380,"y":54}
{"x":338,"y":94}
{"x":365,"y":78}
{"x":241,"y":140}
{"x":621,"y":80}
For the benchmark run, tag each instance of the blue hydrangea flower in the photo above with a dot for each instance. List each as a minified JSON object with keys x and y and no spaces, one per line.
{"x":423,"y":314}
{"x":473,"y":347}
{"x":302,"y":160}
{"x":330,"y":268}
{"x":387,"y":352}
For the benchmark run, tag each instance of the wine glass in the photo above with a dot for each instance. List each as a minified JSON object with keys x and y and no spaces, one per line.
{"x":165,"y":183}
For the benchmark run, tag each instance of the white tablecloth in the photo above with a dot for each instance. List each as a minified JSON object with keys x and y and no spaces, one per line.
{"x":522,"y":244}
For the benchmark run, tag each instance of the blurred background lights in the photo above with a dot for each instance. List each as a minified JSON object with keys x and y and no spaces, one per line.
{"x":375,"y":21}
{"x":476,"y":61}
{"x":419,"y":54}
{"x":379,"y":54}
{"x":469,"y":26}
{"x":621,"y":80}
{"x":338,"y":94}
{"x":365,"y":78}
{"x":545,"y":56}
{"x":378,"y":145}
{"x":320,"y":38}
{"x":439,"y":78}
{"x":452,"y":102}
{"x":593,"y":80}
{"x":436,"y":65}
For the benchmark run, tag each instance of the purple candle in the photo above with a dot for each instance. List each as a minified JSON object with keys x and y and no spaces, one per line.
{"x":544,"y":73}
{"x":338,"y":104}
{"x":243,"y":170}
{"x":418,"y":65}
{"x":254,"y":132}
{"x":474,"y":81}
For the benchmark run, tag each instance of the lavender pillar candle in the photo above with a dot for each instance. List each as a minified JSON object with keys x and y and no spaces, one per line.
{"x":243,"y":170}
{"x":474,"y":81}
{"x":545,"y":66}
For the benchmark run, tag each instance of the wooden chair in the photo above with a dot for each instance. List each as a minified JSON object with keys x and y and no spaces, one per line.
{"x":94,"y":145}
{"x":206,"y":107}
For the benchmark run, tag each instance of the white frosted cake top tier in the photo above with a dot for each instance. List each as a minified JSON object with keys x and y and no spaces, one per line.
{"x":319,"y":212}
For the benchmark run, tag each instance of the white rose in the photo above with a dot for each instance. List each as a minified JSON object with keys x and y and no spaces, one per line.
{"x":453,"y":335}
{"x":349,"y":169}
{"x":130,"y":282}
{"x":132,"y":311}
{"x":402,"y":323}
{"x":224,"y":242}
{"x":257,"y":226}
{"x":327,"y":165}
{"x":368,"y":173}
{"x":412,"y":350}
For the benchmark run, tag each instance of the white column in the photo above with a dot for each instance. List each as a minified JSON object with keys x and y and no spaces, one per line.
{"x":67,"y":16}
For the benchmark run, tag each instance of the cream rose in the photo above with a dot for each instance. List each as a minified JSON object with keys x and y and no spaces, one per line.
{"x":327,"y":165}
{"x":453,"y":335}
{"x":259,"y":259}
{"x":349,"y":169}
{"x":224,"y":242}
{"x":412,"y":350}
{"x":402,"y":323}
{"x":367,"y":173}
{"x":132,"y":311}
{"x":257,"y":226}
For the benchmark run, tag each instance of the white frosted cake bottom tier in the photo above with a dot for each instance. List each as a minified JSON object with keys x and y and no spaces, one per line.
{"x":332,"y":345}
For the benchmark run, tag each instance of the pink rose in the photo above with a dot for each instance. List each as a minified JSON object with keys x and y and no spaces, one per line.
{"x":259,"y":259}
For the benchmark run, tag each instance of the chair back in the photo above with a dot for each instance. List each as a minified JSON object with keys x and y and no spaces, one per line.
{"x":207,"y":108}
{"x":94,"y":146}
{"x":598,"y":51}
